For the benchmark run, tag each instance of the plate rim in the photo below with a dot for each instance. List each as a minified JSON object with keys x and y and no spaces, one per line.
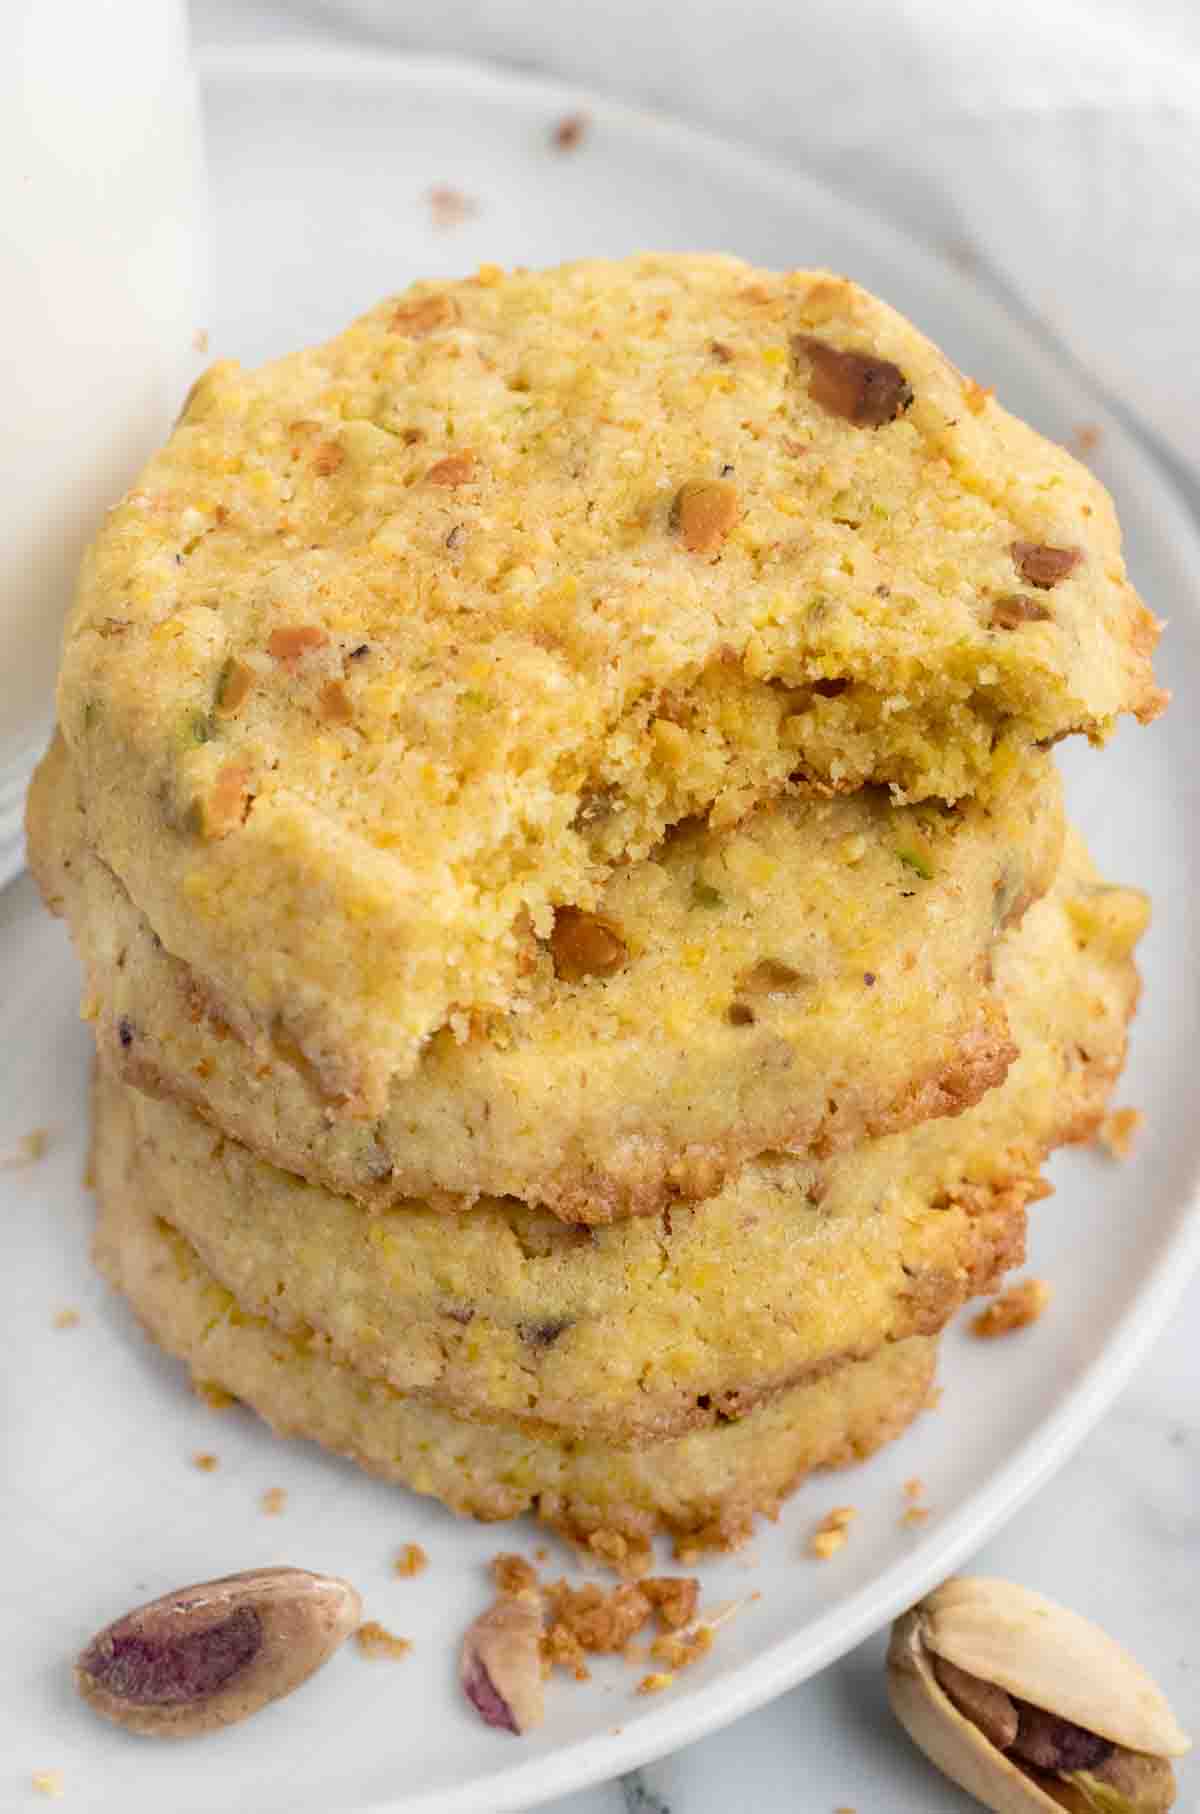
{"x":788,"y":1661}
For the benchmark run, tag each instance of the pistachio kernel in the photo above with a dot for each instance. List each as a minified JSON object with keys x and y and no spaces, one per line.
{"x":1014,"y":609}
{"x":1043,"y":565}
{"x":704,"y":512}
{"x":291,"y":642}
{"x":771,"y":976}
{"x":585,"y":944}
{"x":455,"y":469}
{"x":860,"y":388}
{"x":234,"y":685}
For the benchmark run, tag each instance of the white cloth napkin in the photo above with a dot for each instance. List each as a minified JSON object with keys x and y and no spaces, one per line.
{"x":1054,"y":145}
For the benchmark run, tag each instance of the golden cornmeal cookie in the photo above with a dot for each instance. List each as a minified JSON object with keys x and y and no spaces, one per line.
{"x":652,"y":1326}
{"x":759,"y":968}
{"x":705,"y":1487}
{"x":402,"y":641}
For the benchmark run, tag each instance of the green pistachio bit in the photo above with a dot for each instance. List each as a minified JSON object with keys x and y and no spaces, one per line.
{"x":705,"y":895}
{"x":1128,"y":1782}
{"x":917,"y":862}
{"x":224,"y":679}
{"x":195,"y":727}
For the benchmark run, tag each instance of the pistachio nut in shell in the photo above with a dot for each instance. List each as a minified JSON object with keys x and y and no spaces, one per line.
{"x":1046,"y":1654}
{"x":209,"y":1655}
{"x":1042,"y":1756}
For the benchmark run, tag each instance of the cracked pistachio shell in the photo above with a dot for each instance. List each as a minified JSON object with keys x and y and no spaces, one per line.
{"x":947,"y":1738}
{"x":211,"y":1654}
{"x":500,"y":1668}
{"x":1044,"y":1653}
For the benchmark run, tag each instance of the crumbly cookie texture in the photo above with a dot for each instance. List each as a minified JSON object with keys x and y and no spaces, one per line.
{"x":757,"y":965}
{"x":652,"y":1326}
{"x":402,"y":641}
{"x":1018,"y":1307}
{"x":706,"y":1487}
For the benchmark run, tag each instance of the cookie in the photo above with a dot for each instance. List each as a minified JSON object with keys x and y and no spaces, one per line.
{"x":653,"y":1326}
{"x":706,"y":1488}
{"x":759,"y":965}
{"x":402,"y":642}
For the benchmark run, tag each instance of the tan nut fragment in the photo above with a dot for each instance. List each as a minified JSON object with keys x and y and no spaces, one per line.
{"x":234,"y":687}
{"x":1015,"y":609}
{"x":335,"y":703}
{"x":455,"y":469}
{"x":290,"y":643}
{"x":224,"y":807}
{"x":1029,"y":1707}
{"x":585,"y":944}
{"x":771,"y":976}
{"x":214,"y":1653}
{"x":501,"y":1663}
{"x":859,"y":387}
{"x":1043,"y":565}
{"x":704,"y":512}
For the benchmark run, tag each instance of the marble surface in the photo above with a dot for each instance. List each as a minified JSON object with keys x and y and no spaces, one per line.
{"x":1116,"y":1534}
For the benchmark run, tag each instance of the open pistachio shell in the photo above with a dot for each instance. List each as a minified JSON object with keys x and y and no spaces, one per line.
{"x":211,"y":1654}
{"x":1050,"y":1656}
{"x":501,"y":1663}
{"x":949,"y":1740}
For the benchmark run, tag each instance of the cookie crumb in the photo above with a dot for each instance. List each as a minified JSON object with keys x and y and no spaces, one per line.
{"x":67,"y":1319}
{"x":680,"y":1649}
{"x":674,"y":1598}
{"x":214,"y":1396}
{"x":1015,"y":1308}
{"x":827,"y":1543}
{"x":654,"y":1684}
{"x":560,"y":1646}
{"x":625,"y":1556}
{"x":450,"y":207}
{"x":914,"y":1488}
{"x":206,"y":1463}
{"x":832,"y":1532}
{"x":411,"y":1560}
{"x":513,"y":1574}
{"x":48,"y":1782}
{"x":375,"y":1640}
{"x":976,"y":396}
{"x":600,"y":1621}
{"x":570,"y":132}
{"x":916,"y":1514}
{"x":26,"y":1151}
{"x":1118,"y":1131}
{"x":1088,"y":436}
{"x":274,"y":1500}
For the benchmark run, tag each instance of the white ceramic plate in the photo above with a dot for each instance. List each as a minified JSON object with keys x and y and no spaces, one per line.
{"x":322,"y":165}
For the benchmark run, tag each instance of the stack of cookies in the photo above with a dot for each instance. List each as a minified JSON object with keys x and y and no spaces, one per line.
{"x":586,"y":953}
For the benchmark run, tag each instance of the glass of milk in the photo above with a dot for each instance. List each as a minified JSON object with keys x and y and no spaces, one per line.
{"x":102,"y":229}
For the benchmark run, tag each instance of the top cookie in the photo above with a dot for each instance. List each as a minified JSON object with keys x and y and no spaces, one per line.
{"x":402,"y":641}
